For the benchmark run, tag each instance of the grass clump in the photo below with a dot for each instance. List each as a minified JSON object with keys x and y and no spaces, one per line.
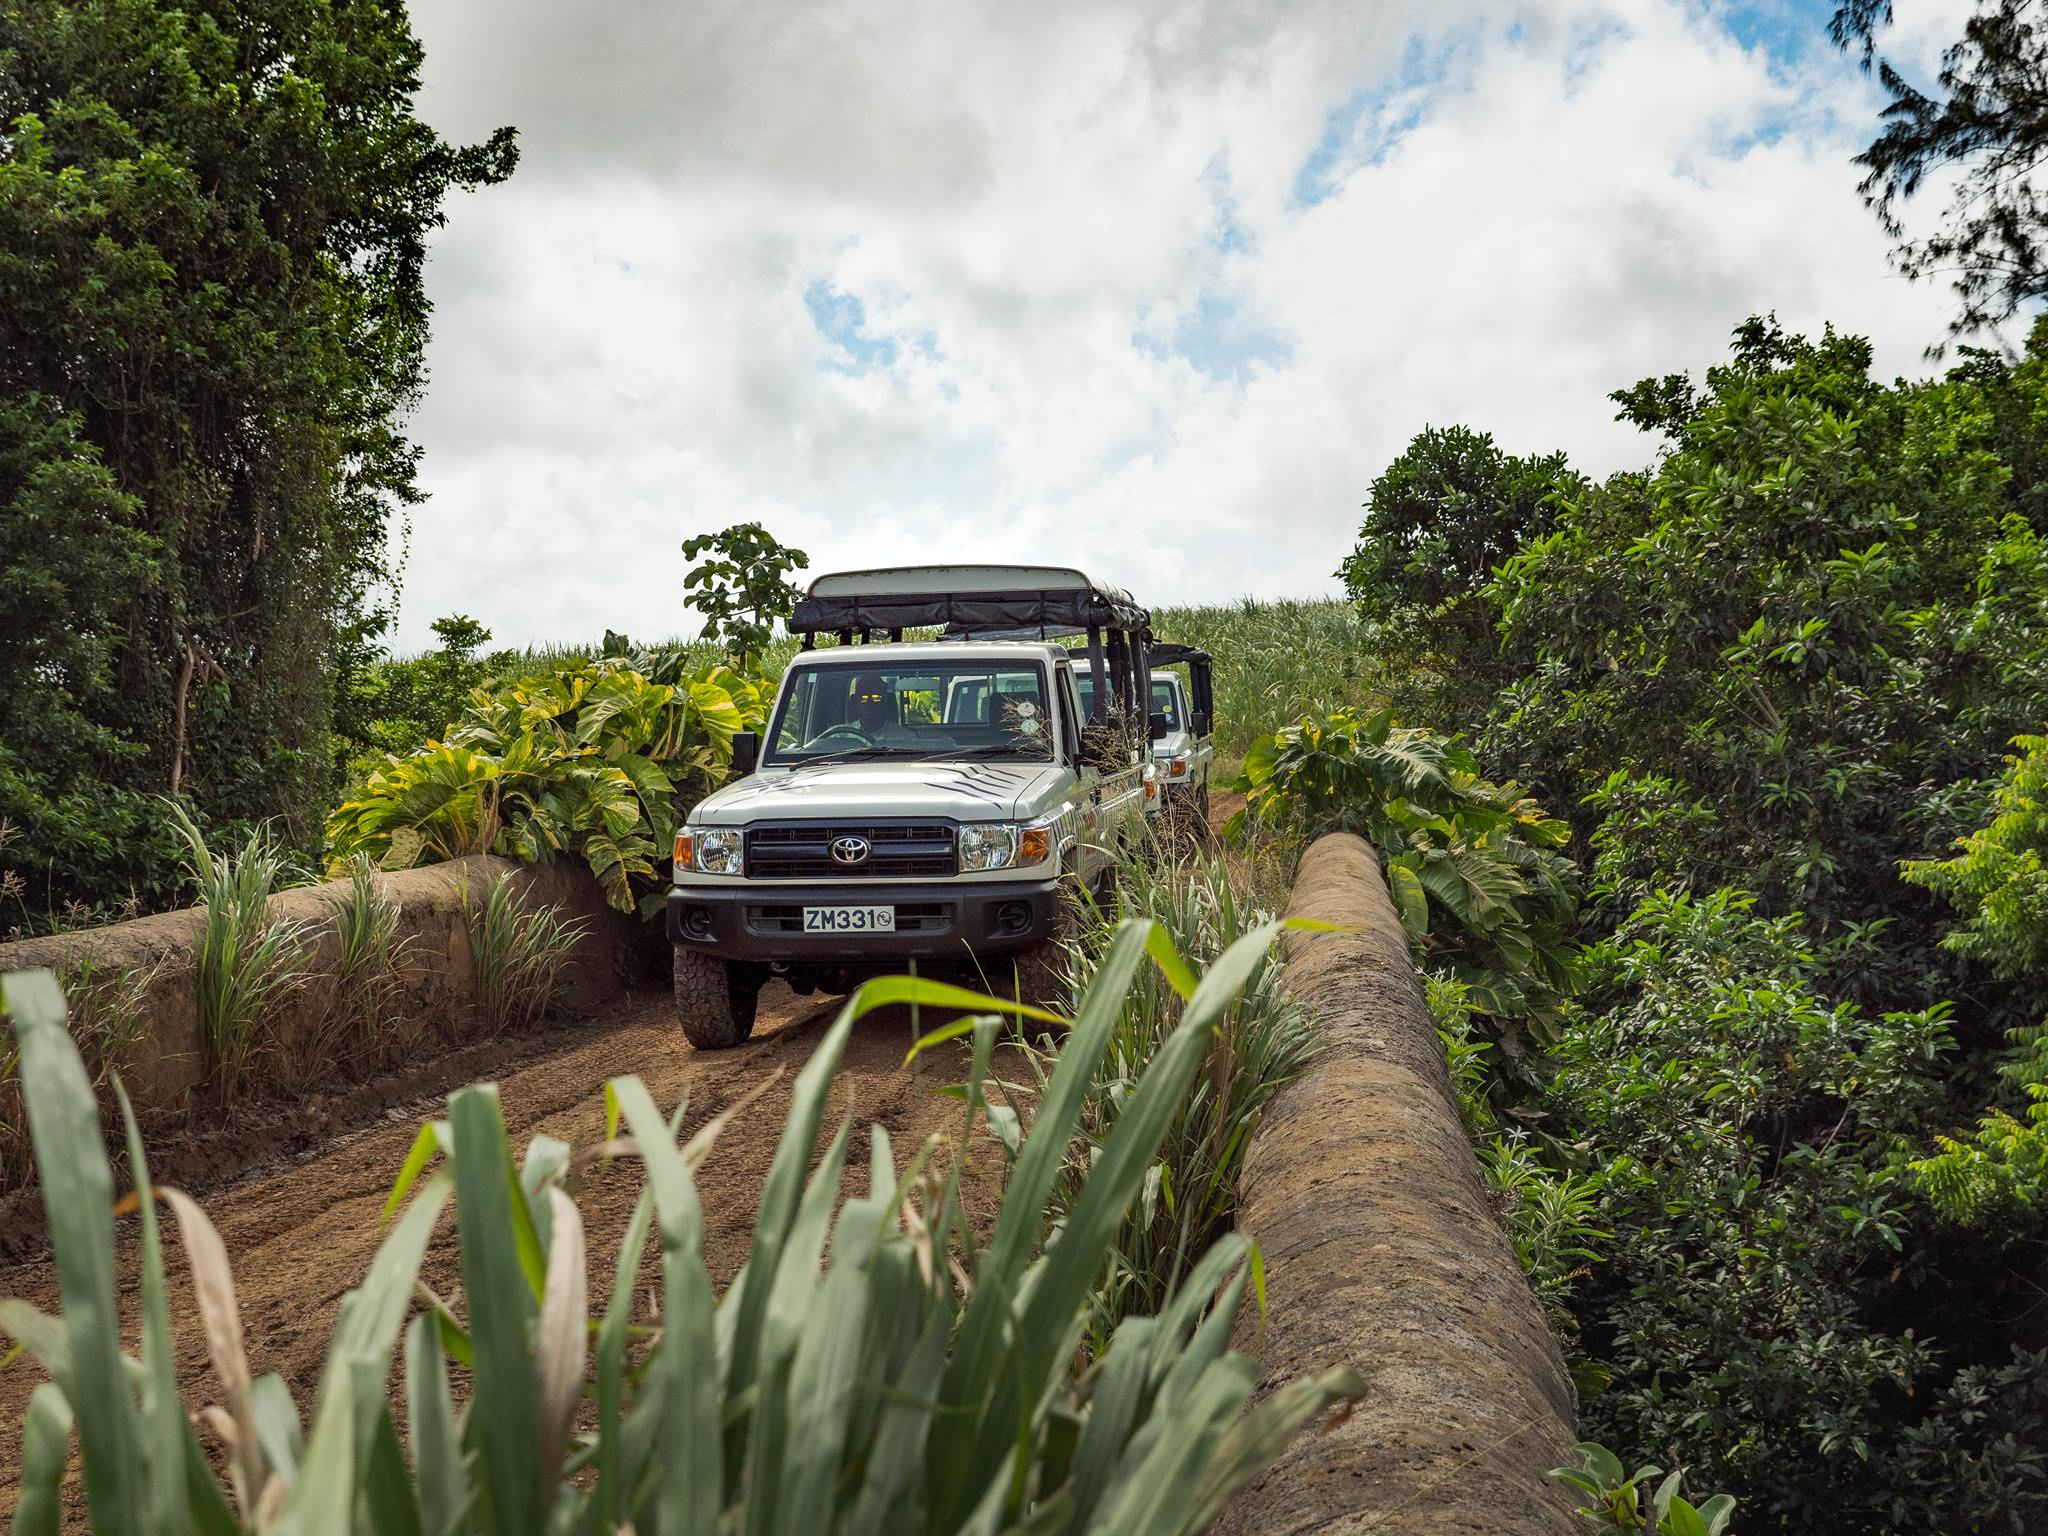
{"x":248,"y":964}
{"x":107,"y":1017}
{"x":1188,"y":1196}
{"x":364,"y":1026}
{"x":521,"y":955}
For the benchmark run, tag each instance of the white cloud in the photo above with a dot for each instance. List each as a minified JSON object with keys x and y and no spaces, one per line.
{"x":1097,"y":323}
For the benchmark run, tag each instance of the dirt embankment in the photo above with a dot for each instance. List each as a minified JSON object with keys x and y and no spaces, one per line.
{"x":300,"y":1236}
{"x":1381,"y":1251}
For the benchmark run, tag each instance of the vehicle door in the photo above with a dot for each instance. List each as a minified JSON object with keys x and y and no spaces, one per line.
{"x":1081,"y":835}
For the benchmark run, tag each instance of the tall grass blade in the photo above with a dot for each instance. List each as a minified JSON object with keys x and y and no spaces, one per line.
{"x":488,"y":1203}
{"x":78,"y":1196}
{"x":213,"y":1284}
{"x":561,"y":1347}
{"x":45,"y":1447}
{"x":693,"y":1492}
{"x":163,"y":1422}
{"x":430,"y":1425}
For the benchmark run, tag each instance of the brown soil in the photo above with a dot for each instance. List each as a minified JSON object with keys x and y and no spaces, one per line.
{"x":300,"y":1236}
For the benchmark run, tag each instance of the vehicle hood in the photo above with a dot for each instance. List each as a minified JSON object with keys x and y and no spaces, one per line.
{"x":847,"y":791}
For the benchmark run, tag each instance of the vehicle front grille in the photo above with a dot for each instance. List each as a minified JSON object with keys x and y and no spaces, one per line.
{"x":896,"y":850}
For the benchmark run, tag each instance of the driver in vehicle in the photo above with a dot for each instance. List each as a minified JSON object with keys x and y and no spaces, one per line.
{"x":875,"y":714}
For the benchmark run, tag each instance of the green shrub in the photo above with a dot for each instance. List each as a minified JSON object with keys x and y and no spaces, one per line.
{"x":598,"y":760}
{"x":1624,"y":1504}
{"x":1760,"y":1308}
{"x":1473,"y":868}
{"x":363,"y":1024}
{"x":898,"y":1377}
{"x":1264,"y":1038}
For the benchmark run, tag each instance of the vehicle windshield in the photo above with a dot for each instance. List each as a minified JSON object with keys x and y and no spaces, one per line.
{"x":862,"y":710}
{"x":1165,"y":697}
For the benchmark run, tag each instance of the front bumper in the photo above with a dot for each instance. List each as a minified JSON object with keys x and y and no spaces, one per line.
{"x":935,"y":920}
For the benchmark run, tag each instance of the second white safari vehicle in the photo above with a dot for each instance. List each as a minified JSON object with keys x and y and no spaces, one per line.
{"x":1181,"y":724}
{"x":928,"y":802}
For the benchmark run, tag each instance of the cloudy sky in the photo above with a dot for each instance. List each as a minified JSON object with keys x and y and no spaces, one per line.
{"x":1152,"y":286}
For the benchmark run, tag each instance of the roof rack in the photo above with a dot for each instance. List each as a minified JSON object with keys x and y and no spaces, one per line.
{"x":982,"y":602}
{"x":988,"y":602}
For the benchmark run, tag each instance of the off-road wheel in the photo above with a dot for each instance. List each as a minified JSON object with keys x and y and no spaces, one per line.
{"x":1039,"y":975}
{"x":715,"y":1000}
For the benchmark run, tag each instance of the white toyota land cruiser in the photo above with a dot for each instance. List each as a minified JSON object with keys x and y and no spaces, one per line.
{"x":913,"y":802}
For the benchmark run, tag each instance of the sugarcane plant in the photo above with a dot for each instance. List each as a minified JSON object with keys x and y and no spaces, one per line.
{"x":898,"y":1377}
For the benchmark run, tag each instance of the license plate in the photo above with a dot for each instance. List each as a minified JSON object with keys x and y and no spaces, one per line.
{"x":849,"y":919}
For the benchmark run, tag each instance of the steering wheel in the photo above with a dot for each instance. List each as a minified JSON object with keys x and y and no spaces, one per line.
{"x":846,"y":728}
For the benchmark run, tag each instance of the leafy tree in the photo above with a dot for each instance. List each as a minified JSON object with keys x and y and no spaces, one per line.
{"x":1443,"y":515}
{"x":1988,"y":120}
{"x":1786,"y":657}
{"x":1758,"y":676}
{"x":397,"y":705}
{"x":1763,"y":1310}
{"x":744,"y":588}
{"x":1995,"y":1177}
{"x":213,"y":220}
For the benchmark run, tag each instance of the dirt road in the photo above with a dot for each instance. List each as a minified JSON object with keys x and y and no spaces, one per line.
{"x":301,"y":1236}
{"x":302,"y":1233}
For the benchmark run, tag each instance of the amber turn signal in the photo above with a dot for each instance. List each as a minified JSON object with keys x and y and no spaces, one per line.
{"x":1035,"y":845}
{"x":685,"y":850}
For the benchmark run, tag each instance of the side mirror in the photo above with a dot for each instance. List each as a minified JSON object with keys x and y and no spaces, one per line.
{"x":1201,"y":725}
{"x":746,"y":753}
{"x":1157,"y":724}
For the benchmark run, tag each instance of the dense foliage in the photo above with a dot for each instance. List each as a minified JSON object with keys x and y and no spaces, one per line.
{"x":599,"y":760}
{"x":905,"y":1377}
{"x":1474,"y":867}
{"x":213,"y":219}
{"x":1780,"y":1172}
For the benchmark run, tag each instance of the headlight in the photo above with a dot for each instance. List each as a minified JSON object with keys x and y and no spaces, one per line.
{"x":710,"y":850}
{"x":1003,"y":844}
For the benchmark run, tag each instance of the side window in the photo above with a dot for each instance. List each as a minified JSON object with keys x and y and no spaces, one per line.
{"x":1070,"y":715}
{"x":1166,"y":701}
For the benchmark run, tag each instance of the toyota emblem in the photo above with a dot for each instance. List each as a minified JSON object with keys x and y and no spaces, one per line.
{"x":850,"y":850}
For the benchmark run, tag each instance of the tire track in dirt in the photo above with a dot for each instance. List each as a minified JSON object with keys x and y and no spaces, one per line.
{"x":301,"y":1236}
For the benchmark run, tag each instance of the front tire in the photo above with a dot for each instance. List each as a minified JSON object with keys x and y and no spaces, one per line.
{"x":715,"y":1000}
{"x":1043,"y":973}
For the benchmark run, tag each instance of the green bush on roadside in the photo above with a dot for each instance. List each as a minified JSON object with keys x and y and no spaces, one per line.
{"x":1263,"y":1039}
{"x":1474,"y":869}
{"x":899,"y":1377}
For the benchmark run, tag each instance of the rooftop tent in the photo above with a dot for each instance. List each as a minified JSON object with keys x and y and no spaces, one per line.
{"x":983,"y":602}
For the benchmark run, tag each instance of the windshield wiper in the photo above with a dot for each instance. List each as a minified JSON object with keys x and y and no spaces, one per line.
{"x":1000,"y":749}
{"x":856,"y":754}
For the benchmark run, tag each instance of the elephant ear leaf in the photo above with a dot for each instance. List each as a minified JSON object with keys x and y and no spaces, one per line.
{"x":1404,"y":885}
